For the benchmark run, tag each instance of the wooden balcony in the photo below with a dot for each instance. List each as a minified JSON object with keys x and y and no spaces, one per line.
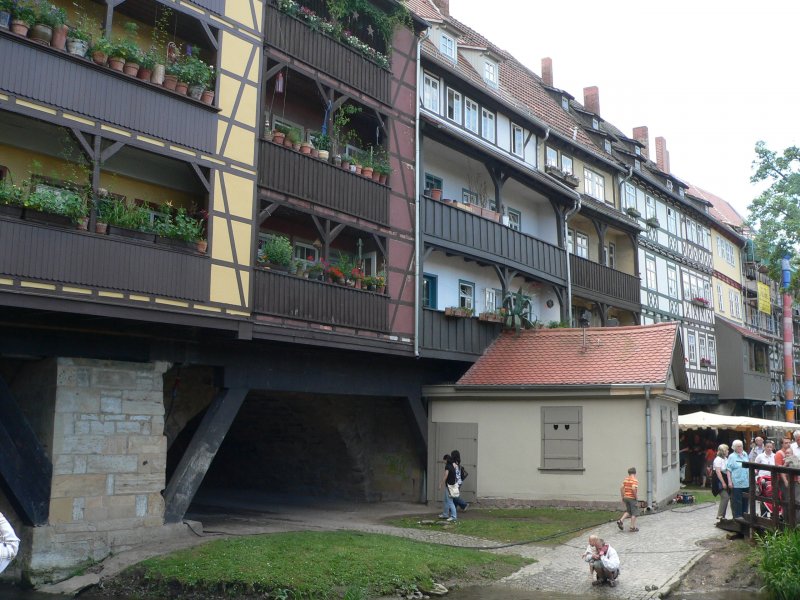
{"x":295,"y":38}
{"x":469,"y":234}
{"x":299,"y":175}
{"x":598,"y":282}
{"x":78,"y":258}
{"x":284,"y":295}
{"x":42,"y":74}
{"x":455,"y":338}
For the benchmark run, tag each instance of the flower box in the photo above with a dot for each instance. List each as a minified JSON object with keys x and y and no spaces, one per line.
{"x":633,"y":213}
{"x":700,"y":302}
{"x":652,"y":222}
{"x":492,"y":317}
{"x":705,"y":362}
{"x":458,"y":311}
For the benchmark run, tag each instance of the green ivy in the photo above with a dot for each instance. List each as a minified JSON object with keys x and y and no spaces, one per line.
{"x":384,"y":22}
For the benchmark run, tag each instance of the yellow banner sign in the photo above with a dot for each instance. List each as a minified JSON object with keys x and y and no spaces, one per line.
{"x":763,"y":298}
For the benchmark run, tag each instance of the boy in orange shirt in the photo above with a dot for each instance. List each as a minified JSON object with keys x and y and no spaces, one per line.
{"x":629,"y":492}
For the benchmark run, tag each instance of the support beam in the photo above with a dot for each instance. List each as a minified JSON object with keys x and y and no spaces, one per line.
{"x":601,"y":229}
{"x":201,"y":451}
{"x":272,"y":71}
{"x":111,"y":151}
{"x":327,"y":234}
{"x":24,"y":465}
{"x":566,"y":311}
{"x":379,"y":243}
{"x":499,"y":177}
{"x":84,"y":143}
{"x":267,"y":213}
{"x":201,"y":176}
{"x":560,"y":211}
{"x":506,"y":276}
{"x":212,"y":39}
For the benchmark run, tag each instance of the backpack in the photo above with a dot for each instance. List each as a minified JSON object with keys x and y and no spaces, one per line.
{"x":464,"y":473}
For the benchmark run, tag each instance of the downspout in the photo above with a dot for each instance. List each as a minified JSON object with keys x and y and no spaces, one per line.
{"x":622,"y":183}
{"x":649,"y":444}
{"x":417,"y":211}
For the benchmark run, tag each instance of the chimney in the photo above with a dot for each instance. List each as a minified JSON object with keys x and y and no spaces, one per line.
{"x":640,"y":134}
{"x":662,"y":156}
{"x":547,"y":71}
{"x":443,"y":6}
{"x":591,"y":99}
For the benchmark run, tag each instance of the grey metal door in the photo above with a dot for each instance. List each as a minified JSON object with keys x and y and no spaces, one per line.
{"x":447,"y":437}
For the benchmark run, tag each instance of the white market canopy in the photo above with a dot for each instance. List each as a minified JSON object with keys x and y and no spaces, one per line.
{"x":700,"y":420}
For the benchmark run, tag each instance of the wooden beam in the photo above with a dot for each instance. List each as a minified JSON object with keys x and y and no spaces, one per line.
{"x":273,"y":71}
{"x":379,"y":243}
{"x":201,"y":176}
{"x":24,"y":465}
{"x":111,"y":151}
{"x":201,"y":451}
{"x":212,"y":39}
{"x":267,"y":213}
{"x":84,"y":143}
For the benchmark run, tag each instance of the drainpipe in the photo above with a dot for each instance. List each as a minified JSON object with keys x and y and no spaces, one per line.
{"x":418,"y":236}
{"x":649,"y":444}
{"x":567,"y":215}
{"x":622,"y":184}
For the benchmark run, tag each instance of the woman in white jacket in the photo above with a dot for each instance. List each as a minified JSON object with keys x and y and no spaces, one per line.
{"x":9,"y":543}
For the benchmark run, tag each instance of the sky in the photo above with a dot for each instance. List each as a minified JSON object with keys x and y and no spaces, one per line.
{"x":710,"y":77}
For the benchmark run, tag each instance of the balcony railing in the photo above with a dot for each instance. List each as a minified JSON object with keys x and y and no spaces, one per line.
{"x":72,"y":257}
{"x":455,"y":338}
{"x":284,"y":170}
{"x":77,"y":85}
{"x":593,"y":279}
{"x":314,"y":48}
{"x":285,"y":295}
{"x":465,"y":232}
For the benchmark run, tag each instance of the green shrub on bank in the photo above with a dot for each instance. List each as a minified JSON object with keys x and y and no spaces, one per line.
{"x":780,"y":563}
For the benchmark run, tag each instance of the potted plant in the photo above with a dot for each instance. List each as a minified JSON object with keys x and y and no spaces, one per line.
{"x":6,"y":7}
{"x":632,"y":212}
{"x":700,"y":301}
{"x":171,"y":75}
{"x":10,"y":199}
{"x":276,"y":251}
{"x":365,"y":158}
{"x":279,"y":134}
{"x":207,"y":96}
{"x":23,"y":16}
{"x":160,"y":37}
{"x":380,"y":282}
{"x":305,"y":147}
{"x":100,"y":51}
{"x":294,"y":137}
{"x":196,"y":74}
{"x":79,"y":36}
{"x":146,"y":63}
{"x":705,"y":362}
{"x":57,"y":19}
{"x":314,"y":270}
{"x":47,"y":18}
{"x":126,"y":219}
{"x":517,"y":310}
{"x":652,"y":222}
{"x":323,"y":143}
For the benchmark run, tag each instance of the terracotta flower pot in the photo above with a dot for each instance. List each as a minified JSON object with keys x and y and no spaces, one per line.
{"x":131,"y":68}
{"x":144,"y":74}
{"x":100,"y":58}
{"x":207,"y":97}
{"x":101,"y":228}
{"x":202,"y":246}
{"x":383,"y":178}
{"x":287,"y":143}
{"x":278,"y":137}
{"x":436,"y":194}
{"x":170,"y":82}
{"x":116,"y":63}
{"x":305,"y":148}
{"x":366,"y":172}
{"x":83,"y":224}
{"x":357,"y":169}
{"x":59,"y":40}
{"x":376,"y":176}
{"x":182,"y":87}
{"x":19,"y":27}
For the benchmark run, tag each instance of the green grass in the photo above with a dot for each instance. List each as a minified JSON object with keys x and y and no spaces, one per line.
{"x":518,"y":524}
{"x":780,"y":563}
{"x":319,"y":565}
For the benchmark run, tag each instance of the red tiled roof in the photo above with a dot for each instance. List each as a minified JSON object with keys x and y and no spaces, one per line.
{"x":636,"y":354}
{"x":719,"y":209}
{"x":425,"y":9}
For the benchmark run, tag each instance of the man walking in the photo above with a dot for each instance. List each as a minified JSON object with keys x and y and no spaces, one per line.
{"x":630,"y":492}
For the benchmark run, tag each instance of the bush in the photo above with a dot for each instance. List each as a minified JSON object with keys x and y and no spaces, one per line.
{"x":195,"y":72}
{"x":277,"y":249}
{"x":10,"y":194}
{"x":69,"y":204}
{"x":780,"y":563}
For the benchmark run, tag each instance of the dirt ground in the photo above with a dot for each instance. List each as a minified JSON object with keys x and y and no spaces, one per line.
{"x":727,"y":566}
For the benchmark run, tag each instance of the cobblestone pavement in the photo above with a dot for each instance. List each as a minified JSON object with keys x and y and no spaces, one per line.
{"x":666,"y":546}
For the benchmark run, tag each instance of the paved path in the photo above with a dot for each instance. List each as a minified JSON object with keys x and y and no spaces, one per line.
{"x":659,"y":554}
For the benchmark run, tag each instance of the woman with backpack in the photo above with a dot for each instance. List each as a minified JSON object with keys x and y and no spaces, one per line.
{"x":461,"y":475}
{"x":448,"y":482}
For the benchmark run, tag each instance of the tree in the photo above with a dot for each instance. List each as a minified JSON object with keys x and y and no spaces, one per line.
{"x":775,"y":214}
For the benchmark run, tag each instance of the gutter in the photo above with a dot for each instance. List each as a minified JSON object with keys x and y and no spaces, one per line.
{"x":648,"y":447}
{"x":417,"y":209}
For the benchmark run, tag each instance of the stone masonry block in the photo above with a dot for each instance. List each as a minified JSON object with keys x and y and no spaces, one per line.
{"x":60,"y":510}
{"x":114,"y":378}
{"x":82,"y":444}
{"x":80,"y":464}
{"x":110,"y":405}
{"x":102,"y":428}
{"x":63,"y":424}
{"x":141,"y":505}
{"x":152,"y":463}
{"x":116,"y":444}
{"x":114,"y":463}
{"x":72,"y":376}
{"x":72,"y":486}
{"x":83,"y":428}
{"x":129,"y":427}
{"x":89,"y":417}
{"x":78,"y":508}
{"x":64,"y":464}
{"x":155,"y":506}
{"x":152,"y":444}
{"x":139,"y":484}
{"x":143,"y":406}
{"x":77,"y":401}
{"x":121,"y":507}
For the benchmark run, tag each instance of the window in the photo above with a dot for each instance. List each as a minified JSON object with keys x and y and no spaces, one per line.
{"x":551,"y":157}
{"x":637,"y":150}
{"x":517,"y":140}
{"x":757,"y":357}
{"x":649,"y":207}
{"x":672,"y":281}
{"x":581,"y":245}
{"x":664,"y":438}
{"x":691,"y":347}
{"x":650,"y":270}
{"x":429,"y":283}
{"x":471,"y":115}
{"x":490,"y":73}
{"x":469,"y":197}
{"x":566,"y":165}
{"x":720,"y":299}
{"x":607,"y":146}
{"x":447,"y":46}
{"x":454,"y":105}
{"x":595,"y":123}
{"x":432,"y":182}
{"x":611,"y":255}
{"x":637,"y":164}
{"x":493,"y":299}
{"x":562,"y":437}
{"x":430,"y":92}
{"x":466,"y":294}
{"x":725,"y":251}
{"x":672,"y":221}
{"x":514,"y":219}
{"x":712,"y":350}
{"x":306,"y":253}
{"x":487,"y":125}
{"x":630,"y":196}
{"x":669,"y":184}
{"x":595,"y":184}
{"x":565,"y":103}
{"x":673,"y":412}
{"x":733,"y":303}
{"x":701,"y":340}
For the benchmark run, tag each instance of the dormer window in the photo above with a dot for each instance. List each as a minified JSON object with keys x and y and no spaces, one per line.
{"x":447,"y":46}
{"x":490,"y":73}
{"x":565,"y":103}
{"x":637,"y":150}
{"x":637,"y":164}
{"x":595,"y":123}
{"x":607,"y":145}
{"x":669,"y":185}
{"x":681,"y":192}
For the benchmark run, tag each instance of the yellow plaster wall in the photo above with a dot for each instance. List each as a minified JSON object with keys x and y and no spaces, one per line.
{"x":722,"y":265}
{"x":725,"y":309}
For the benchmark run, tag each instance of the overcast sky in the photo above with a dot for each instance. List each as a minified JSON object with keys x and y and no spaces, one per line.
{"x":711,"y":77}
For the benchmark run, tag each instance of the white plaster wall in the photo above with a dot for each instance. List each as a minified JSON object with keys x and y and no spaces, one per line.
{"x":509,"y":449}
{"x":503,"y":132}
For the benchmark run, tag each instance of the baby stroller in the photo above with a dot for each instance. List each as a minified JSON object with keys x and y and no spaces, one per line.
{"x":764,"y":483}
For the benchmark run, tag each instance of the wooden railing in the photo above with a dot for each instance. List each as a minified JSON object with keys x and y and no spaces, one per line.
{"x":72,"y":257}
{"x":40,"y":73}
{"x":295,"y":38}
{"x":299,"y":175}
{"x":466,"y":232}
{"x":595,"y":279}
{"x":783,"y":500}
{"x":456,"y":338}
{"x":285,"y":295}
